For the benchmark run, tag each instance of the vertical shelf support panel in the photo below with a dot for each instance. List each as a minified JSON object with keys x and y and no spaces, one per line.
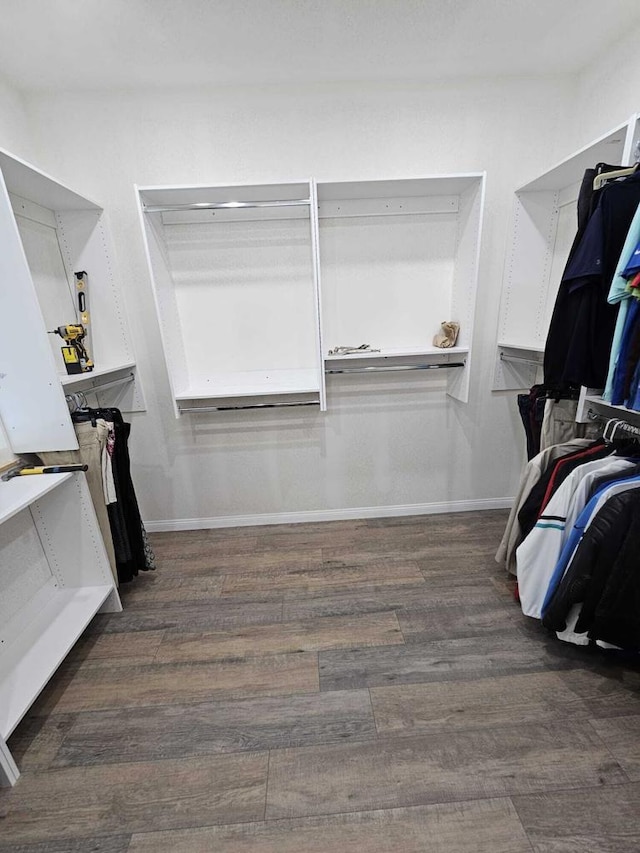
{"x":465,"y":281}
{"x":526,"y":283}
{"x":28,"y":377}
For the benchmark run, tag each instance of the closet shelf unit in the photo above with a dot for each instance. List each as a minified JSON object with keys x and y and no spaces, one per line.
{"x":54,"y":571}
{"x":542,"y":230}
{"x":397,"y":258}
{"x":592,"y":404}
{"x":56,"y":232}
{"x":235,"y":281}
{"x":54,"y":577}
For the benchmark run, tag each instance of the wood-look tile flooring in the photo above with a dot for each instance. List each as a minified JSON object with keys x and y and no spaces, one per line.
{"x":348,"y":687}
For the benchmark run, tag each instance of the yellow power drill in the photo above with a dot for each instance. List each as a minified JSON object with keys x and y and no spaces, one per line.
{"x":76,"y":358}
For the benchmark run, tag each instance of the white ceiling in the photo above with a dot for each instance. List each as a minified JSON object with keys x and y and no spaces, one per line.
{"x":102,"y":44}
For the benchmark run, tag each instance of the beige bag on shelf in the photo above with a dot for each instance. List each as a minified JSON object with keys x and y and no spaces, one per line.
{"x":448,"y":335}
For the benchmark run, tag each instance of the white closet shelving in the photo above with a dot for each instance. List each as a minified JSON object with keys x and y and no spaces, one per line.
{"x":235,"y":282}
{"x":240,"y":274}
{"x":398,"y":257}
{"x":543,"y":228}
{"x":54,"y":577}
{"x":49,"y":232}
{"x":54,"y":571}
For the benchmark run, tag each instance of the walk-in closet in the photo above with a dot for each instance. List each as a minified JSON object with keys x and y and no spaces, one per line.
{"x":319,"y":427}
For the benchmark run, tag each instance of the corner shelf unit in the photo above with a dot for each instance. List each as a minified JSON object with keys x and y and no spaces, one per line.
{"x":54,"y":577}
{"x":48,"y":232}
{"x":543,"y":228}
{"x":235,"y":280}
{"x":397,"y":258}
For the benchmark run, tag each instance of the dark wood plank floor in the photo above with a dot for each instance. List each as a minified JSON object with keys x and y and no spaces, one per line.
{"x":349,"y":687}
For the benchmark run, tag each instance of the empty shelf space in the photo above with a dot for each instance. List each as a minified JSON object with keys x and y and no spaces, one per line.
{"x":520,"y":347}
{"x":17,"y":494}
{"x":254,"y":383}
{"x":49,"y":626}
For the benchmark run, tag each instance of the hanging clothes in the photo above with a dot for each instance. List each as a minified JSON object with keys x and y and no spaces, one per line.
{"x":103,"y":436}
{"x":92,"y":441}
{"x":541,"y":551}
{"x":534,"y":470}
{"x":598,"y":547}
{"x":582,"y":325}
{"x":577,"y":569}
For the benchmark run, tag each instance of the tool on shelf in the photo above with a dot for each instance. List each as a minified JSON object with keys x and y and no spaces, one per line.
{"x":75,"y":355}
{"x":27,"y":470}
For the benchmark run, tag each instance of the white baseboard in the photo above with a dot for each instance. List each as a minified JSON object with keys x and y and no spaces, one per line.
{"x":325,"y":515}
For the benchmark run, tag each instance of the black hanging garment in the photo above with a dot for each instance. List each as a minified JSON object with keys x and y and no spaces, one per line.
{"x":131,"y":549}
{"x":531,"y":408}
{"x":582,"y":325}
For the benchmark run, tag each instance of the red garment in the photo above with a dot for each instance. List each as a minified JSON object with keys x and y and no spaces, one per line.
{"x":583,"y":456}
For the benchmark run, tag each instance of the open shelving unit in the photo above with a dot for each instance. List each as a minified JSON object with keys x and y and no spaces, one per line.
{"x":235,"y":279}
{"x":397,"y":258}
{"x":49,"y":232}
{"x":542,"y":231}
{"x":54,"y":577}
{"x":54,"y":571}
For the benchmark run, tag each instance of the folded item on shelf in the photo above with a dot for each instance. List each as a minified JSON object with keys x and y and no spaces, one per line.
{"x":448,"y":334}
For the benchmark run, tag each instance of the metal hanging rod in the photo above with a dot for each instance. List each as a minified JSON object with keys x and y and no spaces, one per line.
{"x":226,"y":205}
{"x":102,"y":386}
{"x":374,"y":369}
{"x":615,"y":423}
{"x":250,"y":406}
{"x":520,"y":359}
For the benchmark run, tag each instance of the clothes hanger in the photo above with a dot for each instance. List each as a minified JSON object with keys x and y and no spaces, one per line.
{"x":609,"y":429}
{"x":601,"y":179}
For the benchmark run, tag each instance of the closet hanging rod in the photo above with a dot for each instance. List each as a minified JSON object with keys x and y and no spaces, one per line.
{"x":375,"y":369}
{"x":250,"y":406}
{"x":520,"y":359}
{"x":102,"y":386}
{"x":226,"y":205}
{"x":622,"y":425}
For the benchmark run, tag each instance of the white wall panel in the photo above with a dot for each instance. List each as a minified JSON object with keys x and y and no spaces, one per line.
{"x":390,"y":442}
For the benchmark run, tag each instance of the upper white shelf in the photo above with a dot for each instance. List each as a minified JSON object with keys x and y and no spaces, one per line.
{"x":17,"y":494}
{"x":434,"y":185}
{"x":25,"y":180}
{"x":606,"y":149}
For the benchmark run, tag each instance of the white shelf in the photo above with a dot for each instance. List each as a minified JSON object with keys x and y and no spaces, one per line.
{"x":522,"y":347}
{"x":402,"y":352}
{"x":85,"y":379}
{"x":17,"y":494}
{"x":608,"y":149}
{"x":430,"y":185}
{"x":254,"y":383}
{"x":50,"y":625}
{"x":25,"y":180}
{"x":630,"y":415}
